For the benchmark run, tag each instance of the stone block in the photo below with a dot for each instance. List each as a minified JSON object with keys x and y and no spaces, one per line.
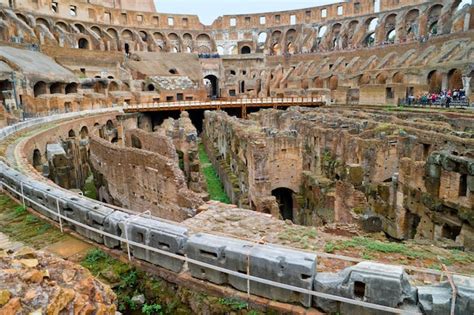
{"x":273,"y":263}
{"x":90,"y":213}
{"x":160,"y":235}
{"x":112,"y":226}
{"x":367,"y":281}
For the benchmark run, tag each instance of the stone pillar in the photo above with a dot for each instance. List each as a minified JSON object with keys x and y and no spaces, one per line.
{"x":444,"y":82}
{"x":466,"y":82}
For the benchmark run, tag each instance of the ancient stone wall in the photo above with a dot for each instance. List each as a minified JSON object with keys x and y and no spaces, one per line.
{"x":352,"y":52}
{"x":141,"y":180}
{"x":384,"y":170}
{"x":184,"y":137}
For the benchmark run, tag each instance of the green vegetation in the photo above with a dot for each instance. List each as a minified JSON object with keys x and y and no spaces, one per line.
{"x":214,"y":185}
{"x":234,"y":304}
{"x":19,"y":225}
{"x":89,"y":188}
{"x":161,"y":297}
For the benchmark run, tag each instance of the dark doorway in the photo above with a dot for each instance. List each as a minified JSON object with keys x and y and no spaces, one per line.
{"x":284,"y":197}
{"x":214,"y":86}
{"x":127,"y":48}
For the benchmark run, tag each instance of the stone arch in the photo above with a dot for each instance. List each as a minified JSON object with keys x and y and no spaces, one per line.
{"x":398,"y":77}
{"x":245,"y":50}
{"x":335,"y":33}
{"x":213,"y":85}
{"x":84,"y":133}
{"x":56,"y":88}
{"x":262,"y":38}
{"x":113,"y":33}
{"x":364,"y":79}
{"x":40,"y":88}
{"x":434,"y":14}
{"x":318,"y":83}
{"x":114,"y":86}
{"x":435,"y":80}
{"x":455,"y":79}
{"x":63,"y":26}
{"x":412,"y":23}
{"x":71,"y":133}
{"x":143,"y":35}
{"x":127,"y":35}
{"x":81,"y":28}
{"x":41,"y":21}
{"x":23,"y":18}
{"x":96,"y":30}
{"x":83,"y":43}
{"x":333,"y":82}
{"x":71,"y":88}
{"x":390,"y":28}
{"x":372,"y":23}
{"x":187,"y":37}
{"x":381,"y":78}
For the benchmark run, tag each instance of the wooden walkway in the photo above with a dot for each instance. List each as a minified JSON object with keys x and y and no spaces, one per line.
{"x":243,"y":104}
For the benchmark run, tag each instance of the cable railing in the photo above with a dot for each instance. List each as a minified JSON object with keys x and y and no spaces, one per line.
{"x":127,"y":242}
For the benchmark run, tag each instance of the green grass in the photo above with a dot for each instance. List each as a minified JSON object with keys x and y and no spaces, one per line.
{"x":89,"y":188}
{"x":21,"y":226}
{"x":214,"y":185}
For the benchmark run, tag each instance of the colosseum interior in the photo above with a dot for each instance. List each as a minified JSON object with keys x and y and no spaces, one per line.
{"x":311,"y":161}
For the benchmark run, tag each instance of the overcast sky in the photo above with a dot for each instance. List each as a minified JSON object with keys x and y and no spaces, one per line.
{"x":209,"y":10}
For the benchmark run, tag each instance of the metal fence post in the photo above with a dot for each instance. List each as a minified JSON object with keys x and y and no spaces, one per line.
{"x":59,"y":216}
{"x":22,"y":195}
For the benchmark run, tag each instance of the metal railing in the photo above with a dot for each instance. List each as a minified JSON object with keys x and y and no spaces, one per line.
{"x":248,"y":277}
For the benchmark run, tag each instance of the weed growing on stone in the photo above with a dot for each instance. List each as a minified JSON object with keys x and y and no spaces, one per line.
{"x":234,"y":304}
{"x":214,"y":185}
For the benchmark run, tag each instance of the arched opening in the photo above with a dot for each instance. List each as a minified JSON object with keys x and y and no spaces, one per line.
{"x":381,"y":78}
{"x":71,"y":88}
{"x":80,"y":28}
{"x":398,"y":78}
{"x":411,"y":23}
{"x":37,"y":160}
{"x":455,"y":79}
{"x":83,"y":43}
{"x":370,"y":40}
{"x":364,"y":79}
{"x":284,"y":198}
{"x":109,"y":125}
{"x":127,"y":48}
{"x":173,"y":71}
{"x":242,"y":87}
{"x":212,"y":84}
{"x":391,"y":36}
{"x":113,"y":86}
{"x":150,"y":87}
{"x":318,"y":83}
{"x":262,"y":39}
{"x":245,"y":50}
{"x":333,"y":82}
{"x":84,"y":132}
{"x":435,"y":80}
{"x":136,"y":142}
{"x":71,"y":133}
{"x":56,"y":88}
{"x":40,"y":88}
{"x":433,"y":17}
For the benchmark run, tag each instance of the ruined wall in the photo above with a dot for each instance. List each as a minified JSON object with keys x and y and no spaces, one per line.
{"x":386,"y":171}
{"x":184,"y":137}
{"x":141,"y":180}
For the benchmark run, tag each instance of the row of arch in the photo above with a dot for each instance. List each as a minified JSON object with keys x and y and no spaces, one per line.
{"x":41,"y":88}
{"x":362,"y":32}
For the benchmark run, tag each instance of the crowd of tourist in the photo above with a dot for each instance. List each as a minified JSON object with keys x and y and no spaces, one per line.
{"x":444,"y":98}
